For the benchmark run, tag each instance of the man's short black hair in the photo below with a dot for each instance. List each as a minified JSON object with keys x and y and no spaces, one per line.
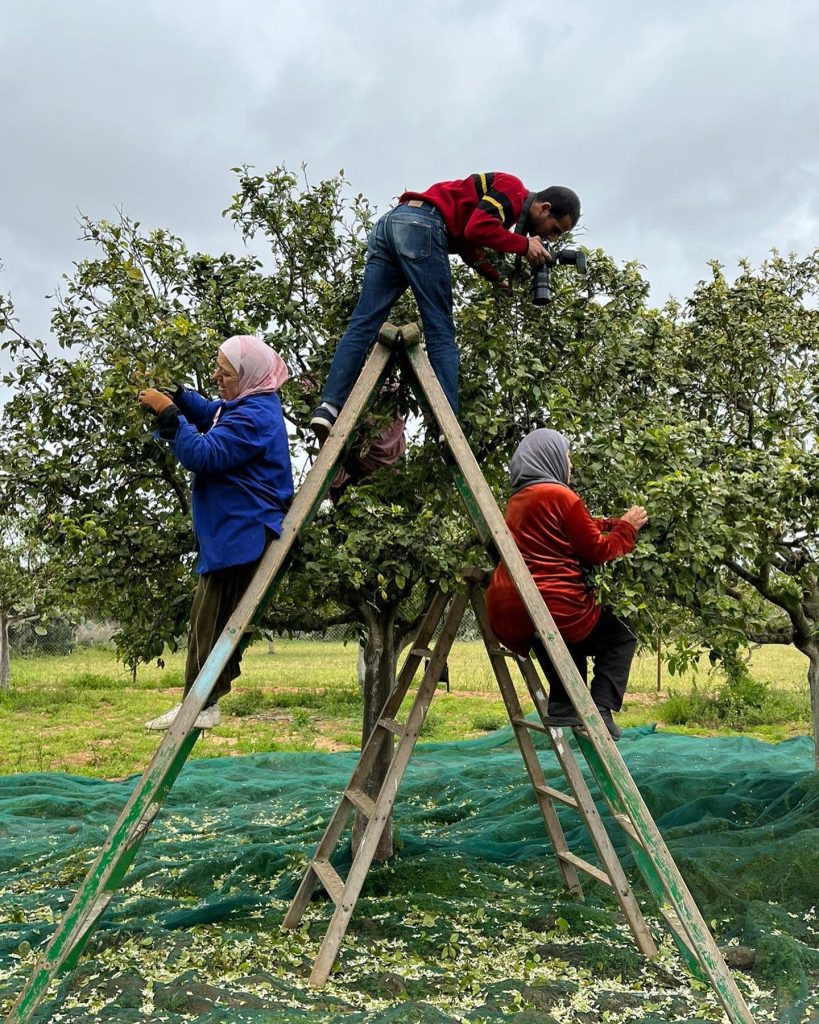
{"x":562,"y":201}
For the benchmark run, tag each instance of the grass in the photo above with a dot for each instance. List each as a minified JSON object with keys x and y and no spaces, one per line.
{"x":84,"y":714}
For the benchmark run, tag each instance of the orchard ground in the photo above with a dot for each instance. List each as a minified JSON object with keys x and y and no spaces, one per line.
{"x":83,"y":713}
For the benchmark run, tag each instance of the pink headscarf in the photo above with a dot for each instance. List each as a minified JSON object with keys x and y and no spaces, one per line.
{"x":260,"y":368}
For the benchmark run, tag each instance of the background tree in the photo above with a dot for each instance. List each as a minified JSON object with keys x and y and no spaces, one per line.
{"x":599,"y":364}
{"x":722,"y":444}
{"x":111,"y":501}
{"x":30,"y":587}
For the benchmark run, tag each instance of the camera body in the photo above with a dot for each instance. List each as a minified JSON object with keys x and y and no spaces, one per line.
{"x":542,"y":276}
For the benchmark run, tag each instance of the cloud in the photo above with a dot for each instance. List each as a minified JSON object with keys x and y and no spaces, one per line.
{"x":690,"y":132}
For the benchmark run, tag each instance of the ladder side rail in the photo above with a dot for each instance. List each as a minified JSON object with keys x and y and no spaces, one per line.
{"x":393,"y":703}
{"x":527,"y":748}
{"x":594,"y":825}
{"x":483,"y":509}
{"x":387,"y":795}
{"x":369,"y":752}
{"x":548,"y":634}
{"x":644,"y":863}
{"x":119,"y":850}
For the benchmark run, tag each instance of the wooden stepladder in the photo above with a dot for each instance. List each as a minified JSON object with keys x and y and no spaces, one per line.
{"x":608,"y":768}
{"x":705,"y":964}
{"x":344,"y":893}
{"x":652,"y":857}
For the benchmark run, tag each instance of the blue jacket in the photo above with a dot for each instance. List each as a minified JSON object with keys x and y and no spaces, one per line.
{"x":242,"y":481}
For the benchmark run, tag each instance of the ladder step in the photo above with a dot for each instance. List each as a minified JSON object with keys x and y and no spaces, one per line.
{"x":501,"y":652}
{"x":330,"y":879}
{"x":551,"y":723}
{"x":421,"y":652}
{"x":583,"y":865}
{"x":391,"y":725}
{"x":556,"y":794}
{"x":358,"y":798}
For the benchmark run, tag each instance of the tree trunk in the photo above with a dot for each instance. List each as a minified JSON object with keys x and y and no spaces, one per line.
{"x":361,"y":668}
{"x":5,"y":662}
{"x":659,"y":661}
{"x":380,"y":658}
{"x":811,"y":650}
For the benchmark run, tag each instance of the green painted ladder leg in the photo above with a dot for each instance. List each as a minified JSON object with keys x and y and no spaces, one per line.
{"x":482,"y":507}
{"x":582,"y":801}
{"x":120,"y":848}
{"x":668,"y":900}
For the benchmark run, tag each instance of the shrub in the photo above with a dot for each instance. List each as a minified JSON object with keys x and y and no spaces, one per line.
{"x":246,"y":702}
{"x":489,"y":721}
{"x":742,"y":702}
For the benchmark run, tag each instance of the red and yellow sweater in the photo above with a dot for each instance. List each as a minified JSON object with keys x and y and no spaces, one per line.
{"x":479,"y":212}
{"x":556,"y":536}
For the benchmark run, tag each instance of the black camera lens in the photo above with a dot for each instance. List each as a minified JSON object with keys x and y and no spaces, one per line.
{"x":541,"y":286}
{"x":541,"y":276}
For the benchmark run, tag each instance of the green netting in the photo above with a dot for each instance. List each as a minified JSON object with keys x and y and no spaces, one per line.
{"x":468,"y":923}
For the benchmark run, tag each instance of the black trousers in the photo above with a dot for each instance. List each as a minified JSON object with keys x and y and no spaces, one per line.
{"x":217,"y":595}
{"x":611,"y":645}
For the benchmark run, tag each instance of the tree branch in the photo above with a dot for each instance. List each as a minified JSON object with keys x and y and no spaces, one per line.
{"x":177,"y":487}
{"x":760,"y":583}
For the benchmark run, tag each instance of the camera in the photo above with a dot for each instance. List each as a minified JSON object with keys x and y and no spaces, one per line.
{"x":541,"y":276}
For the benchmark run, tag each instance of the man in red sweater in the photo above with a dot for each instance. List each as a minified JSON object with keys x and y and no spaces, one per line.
{"x":557,"y":537}
{"x":409,"y":247}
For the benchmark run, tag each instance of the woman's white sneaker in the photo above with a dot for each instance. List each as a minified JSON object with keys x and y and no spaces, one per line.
{"x":206,"y":719}
{"x":209,"y":717}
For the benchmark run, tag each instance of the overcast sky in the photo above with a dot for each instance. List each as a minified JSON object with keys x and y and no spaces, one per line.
{"x":688,"y":129}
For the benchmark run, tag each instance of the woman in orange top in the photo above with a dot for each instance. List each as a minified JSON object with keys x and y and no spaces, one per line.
{"x":557,"y":538}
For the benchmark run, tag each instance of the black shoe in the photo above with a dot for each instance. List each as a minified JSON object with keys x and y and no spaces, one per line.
{"x":563,"y":712}
{"x":608,"y":720}
{"x":322,"y":423}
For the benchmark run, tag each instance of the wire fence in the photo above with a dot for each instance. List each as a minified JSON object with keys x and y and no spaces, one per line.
{"x":67,"y":634}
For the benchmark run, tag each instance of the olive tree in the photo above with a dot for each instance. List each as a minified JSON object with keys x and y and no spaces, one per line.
{"x":717,"y":434}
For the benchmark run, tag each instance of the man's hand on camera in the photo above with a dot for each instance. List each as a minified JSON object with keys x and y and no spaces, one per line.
{"x":636,"y":517}
{"x":154,"y":400}
{"x":537,"y":253}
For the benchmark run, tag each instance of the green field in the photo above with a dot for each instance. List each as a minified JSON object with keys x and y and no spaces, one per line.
{"x":83,"y":714}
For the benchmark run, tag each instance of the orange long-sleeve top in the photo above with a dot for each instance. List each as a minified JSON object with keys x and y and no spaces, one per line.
{"x":557,"y":536}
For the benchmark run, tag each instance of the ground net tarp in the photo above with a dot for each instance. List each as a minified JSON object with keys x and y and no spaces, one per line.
{"x":468,"y":923}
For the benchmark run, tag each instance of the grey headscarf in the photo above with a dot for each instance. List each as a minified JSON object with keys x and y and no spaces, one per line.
{"x":540,"y":458}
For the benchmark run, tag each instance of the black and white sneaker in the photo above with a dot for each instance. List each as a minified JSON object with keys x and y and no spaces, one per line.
{"x":563,"y":714}
{"x":322,"y":423}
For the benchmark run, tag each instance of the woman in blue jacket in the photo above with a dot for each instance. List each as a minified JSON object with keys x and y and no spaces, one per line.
{"x":242,"y":486}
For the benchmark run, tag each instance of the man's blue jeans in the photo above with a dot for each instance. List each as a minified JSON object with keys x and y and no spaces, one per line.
{"x":406,"y":248}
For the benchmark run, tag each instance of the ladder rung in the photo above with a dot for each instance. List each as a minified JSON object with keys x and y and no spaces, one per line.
{"x":358,"y":798}
{"x":556,"y":794}
{"x":583,"y":865}
{"x":330,"y":879}
{"x":539,"y":726}
{"x":391,"y":725}
{"x":421,"y":652}
{"x":625,"y":824}
{"x":501,"y":652}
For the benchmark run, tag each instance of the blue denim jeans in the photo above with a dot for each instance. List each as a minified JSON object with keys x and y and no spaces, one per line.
{"x":407,"y":247}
